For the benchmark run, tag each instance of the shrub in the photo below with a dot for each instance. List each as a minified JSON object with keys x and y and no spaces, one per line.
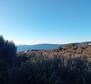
{"x":7,"y":52}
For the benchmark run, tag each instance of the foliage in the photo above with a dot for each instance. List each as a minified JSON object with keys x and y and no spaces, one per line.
{"x":7,"y":53}
{"x":39,"y":67}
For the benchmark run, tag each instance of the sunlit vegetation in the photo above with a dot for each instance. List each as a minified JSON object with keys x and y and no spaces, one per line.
{"x":68,"y":65}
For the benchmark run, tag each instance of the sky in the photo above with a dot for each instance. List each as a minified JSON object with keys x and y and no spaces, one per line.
{"x":45,"y":21}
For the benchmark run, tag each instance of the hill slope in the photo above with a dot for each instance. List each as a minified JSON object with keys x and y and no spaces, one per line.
{"x":47,"y":46}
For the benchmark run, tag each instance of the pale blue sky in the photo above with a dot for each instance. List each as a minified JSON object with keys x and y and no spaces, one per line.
{"x":45,"y":21}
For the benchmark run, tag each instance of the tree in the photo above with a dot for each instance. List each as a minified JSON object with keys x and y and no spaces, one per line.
{"x":7,"y":52}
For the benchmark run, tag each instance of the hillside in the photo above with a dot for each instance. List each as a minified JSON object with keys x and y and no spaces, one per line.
{"x":47,"y":46}
{"x":67,"y":50}
{"x":68,"y":65}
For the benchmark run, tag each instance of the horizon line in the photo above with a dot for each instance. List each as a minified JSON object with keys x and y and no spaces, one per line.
{"x":54,"y":43}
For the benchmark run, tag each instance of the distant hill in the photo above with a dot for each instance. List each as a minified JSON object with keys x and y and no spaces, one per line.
{"x":47,"y":46}
{"x":37,"y":47}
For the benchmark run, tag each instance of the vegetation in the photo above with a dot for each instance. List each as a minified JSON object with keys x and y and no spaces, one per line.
{"x":47,"y":66}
